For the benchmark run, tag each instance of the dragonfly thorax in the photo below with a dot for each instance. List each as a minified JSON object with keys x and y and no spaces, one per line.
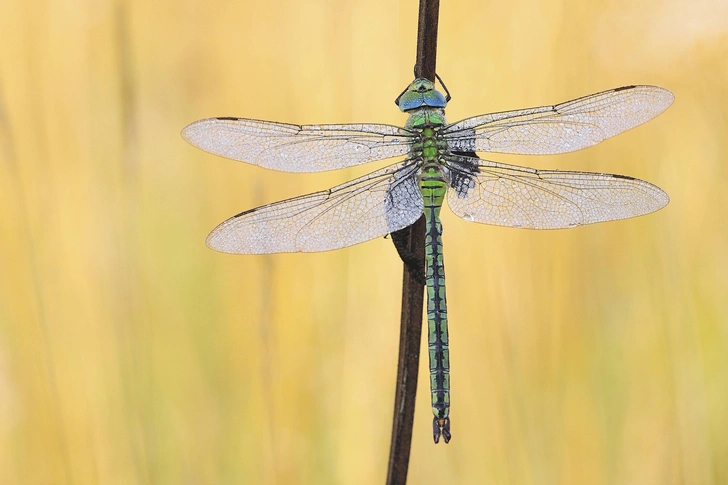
{"x":426,"y":117}
{"x":429,"y":146}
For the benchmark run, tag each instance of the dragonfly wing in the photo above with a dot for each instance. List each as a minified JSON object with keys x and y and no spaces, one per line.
{"x":297,"y":148}
{"x":508,"y":195}
{"x":565,"y":127}
{"x":365,"y":208}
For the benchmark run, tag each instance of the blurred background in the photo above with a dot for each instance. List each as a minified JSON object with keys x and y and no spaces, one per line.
{"x":130,"y":353}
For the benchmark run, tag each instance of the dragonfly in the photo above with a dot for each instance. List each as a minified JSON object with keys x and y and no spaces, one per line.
{"x":440,"y":162}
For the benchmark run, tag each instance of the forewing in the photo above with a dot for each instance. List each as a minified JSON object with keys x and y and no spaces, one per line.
{"x":565,"y":127}
{"x":508,"y":195}
{"x":365,"y":208}
{"x":297,"y":148}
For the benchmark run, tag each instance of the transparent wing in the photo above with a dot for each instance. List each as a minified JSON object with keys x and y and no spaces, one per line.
{"x":297,"y":148}
{"x":561,"y":128}
{"x":365,"y":208}
{"x":508,"y":195}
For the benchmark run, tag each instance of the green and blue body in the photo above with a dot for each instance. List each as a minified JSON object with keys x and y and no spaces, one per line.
{"x":425,"y":107}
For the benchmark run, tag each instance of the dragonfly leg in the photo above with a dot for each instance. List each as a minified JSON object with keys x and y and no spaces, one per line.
{"x":415,"y":266}
{"x":441,"y":428}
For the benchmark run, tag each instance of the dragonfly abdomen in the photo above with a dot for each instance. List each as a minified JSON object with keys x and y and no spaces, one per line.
{"x":433,"y":187}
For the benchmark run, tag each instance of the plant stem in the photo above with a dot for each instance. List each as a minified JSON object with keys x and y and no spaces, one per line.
{"x":412,"y":288}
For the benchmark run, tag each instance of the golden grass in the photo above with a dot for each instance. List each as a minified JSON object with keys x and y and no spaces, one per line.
{"x":130,"y":353}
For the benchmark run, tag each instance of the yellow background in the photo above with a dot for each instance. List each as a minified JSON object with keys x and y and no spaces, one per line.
{"x":130,"y":353}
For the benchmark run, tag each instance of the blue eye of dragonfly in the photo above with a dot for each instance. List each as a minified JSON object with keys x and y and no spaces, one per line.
{"x":440,"y":163}
{"x":421,"y":93}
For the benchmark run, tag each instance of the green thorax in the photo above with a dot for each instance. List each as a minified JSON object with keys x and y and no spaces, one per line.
{"x":428,"y":122}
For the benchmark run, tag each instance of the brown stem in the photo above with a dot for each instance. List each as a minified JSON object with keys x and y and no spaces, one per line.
{"x":412,"y":288}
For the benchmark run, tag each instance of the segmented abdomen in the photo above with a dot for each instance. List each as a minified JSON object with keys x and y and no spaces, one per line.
{"x":433,"y":188}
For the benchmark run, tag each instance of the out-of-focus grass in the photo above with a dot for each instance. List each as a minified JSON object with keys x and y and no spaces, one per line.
{"x":130,"y":353}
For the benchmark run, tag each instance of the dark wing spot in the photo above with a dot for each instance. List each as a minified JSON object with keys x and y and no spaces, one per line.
{"x":624,"y":88}
{"x":246,"y":212}
{"x":228,"y":118}
{"x":463,"y":167}
{"x":626,"y":177}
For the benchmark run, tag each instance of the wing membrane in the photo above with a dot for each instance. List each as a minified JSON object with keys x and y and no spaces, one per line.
{"x":365,"y":208}
{"x":561,"y":128}
{"x":297,"y":148}
{"x":508,"y":195}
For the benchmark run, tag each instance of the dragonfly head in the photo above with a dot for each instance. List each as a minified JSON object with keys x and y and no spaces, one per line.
{"x":420,"y":93}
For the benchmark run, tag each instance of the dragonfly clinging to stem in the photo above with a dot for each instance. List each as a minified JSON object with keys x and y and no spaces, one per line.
{"x":439,"y":163}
